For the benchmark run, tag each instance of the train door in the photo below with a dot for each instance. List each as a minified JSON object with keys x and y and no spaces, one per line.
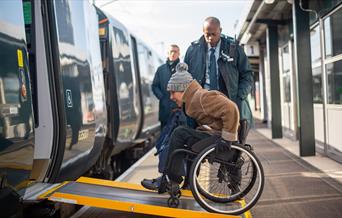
{"x":79,"y":86}
{"x":150,"y":102}
{"x":126,"y":86}
{"x":139,"y":83}
{"x":16,"y":115}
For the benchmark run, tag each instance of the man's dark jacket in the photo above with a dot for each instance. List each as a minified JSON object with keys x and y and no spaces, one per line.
{"x":161,"y":78}
{"x":235,"y":74}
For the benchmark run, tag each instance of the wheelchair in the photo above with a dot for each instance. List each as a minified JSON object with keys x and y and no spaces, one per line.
{"x":226,"y":183}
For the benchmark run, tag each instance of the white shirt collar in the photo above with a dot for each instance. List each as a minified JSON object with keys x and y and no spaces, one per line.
{"x":218,"y":45}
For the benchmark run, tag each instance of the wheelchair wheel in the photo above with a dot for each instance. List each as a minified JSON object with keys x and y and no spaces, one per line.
{"x":228,"y":183}
{"x":239,"y":175}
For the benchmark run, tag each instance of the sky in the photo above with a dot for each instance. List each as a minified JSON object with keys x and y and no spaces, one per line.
{"x":160,"y":23}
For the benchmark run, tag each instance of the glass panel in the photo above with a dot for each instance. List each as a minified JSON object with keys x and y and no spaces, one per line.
{"x":333,"y":34}
{"x":315,"y":46}
{"x":334,"y":77}
{"x":16,"y":120}
{"x":286,"y":60}
{"x":76,"y":59}
{"x":321,"y":7}
{"x":286,"y":74}
{"x":287,"y":88}
{"x":317,"y":85}
{"x":150,"y":102}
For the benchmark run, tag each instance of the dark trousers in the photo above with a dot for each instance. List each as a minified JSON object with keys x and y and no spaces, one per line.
{"x":162,"y":125}
{"x":182,"y":137}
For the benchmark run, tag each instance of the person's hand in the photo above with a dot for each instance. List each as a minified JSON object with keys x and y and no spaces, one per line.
{"x":175,"y":109}
{"x":222,"y":145}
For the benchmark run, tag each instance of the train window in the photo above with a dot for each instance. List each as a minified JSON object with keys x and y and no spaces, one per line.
{"x":145,"y":62}
{"x":122,"y":64}
{"x":16,"y":125}
{"x":15,"y":102}
{"x":147,"y":70}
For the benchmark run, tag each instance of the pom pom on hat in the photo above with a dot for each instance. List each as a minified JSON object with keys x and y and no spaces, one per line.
{"x":182,"y":67}
{"x":180,"y":80}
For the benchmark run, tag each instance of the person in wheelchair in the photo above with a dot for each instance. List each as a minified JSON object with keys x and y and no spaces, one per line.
{"x":213,"y":111}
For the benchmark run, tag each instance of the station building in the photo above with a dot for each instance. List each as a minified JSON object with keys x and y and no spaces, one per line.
{"x":295,"y":49}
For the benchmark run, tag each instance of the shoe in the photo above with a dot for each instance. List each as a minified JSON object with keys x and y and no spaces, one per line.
{"x":151,"y":184}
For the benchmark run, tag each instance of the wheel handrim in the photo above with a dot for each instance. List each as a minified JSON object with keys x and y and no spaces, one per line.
{"x":246,"y":206}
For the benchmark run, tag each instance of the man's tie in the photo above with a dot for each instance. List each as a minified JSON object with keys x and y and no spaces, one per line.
{"x":212,"y":70}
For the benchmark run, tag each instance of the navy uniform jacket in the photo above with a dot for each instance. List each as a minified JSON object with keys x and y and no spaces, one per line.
{"x":161,"y":78}
{"x":235,"y":74}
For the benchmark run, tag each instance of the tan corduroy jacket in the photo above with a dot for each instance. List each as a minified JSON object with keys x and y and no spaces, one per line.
{"x":213,"y":109}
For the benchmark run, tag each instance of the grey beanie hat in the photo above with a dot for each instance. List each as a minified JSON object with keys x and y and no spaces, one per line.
{"x":180,"y":80}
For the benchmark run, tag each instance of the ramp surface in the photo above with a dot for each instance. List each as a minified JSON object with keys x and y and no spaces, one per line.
{"x":124,"y":197}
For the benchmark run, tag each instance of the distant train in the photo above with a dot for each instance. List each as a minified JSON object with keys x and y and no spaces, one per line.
{"x":75,"y":95}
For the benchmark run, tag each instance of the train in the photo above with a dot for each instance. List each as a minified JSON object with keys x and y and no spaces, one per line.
{"x":75,"y":96}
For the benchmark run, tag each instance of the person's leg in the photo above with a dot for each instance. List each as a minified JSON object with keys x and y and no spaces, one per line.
{"x":243,"y":131}
{"x":162,"y":125}
{"x":180,"y":137}
{"x":235,"y":174}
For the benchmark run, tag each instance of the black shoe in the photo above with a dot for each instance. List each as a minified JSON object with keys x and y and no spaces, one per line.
{"x":152,"y":184}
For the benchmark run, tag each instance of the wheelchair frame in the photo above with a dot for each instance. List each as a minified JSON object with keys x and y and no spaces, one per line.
{"x":201,"y":195}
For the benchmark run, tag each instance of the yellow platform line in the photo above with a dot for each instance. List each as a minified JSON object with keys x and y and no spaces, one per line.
{"x":132,"y":207}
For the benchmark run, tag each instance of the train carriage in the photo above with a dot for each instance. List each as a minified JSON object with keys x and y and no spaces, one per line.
{"x":75,"y":95}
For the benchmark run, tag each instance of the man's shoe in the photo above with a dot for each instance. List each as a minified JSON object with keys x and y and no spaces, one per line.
{"x":151,"y":184}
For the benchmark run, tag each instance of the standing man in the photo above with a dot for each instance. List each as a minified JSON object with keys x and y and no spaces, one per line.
{"x":161,"y":78}
{"x":217,"y":62}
